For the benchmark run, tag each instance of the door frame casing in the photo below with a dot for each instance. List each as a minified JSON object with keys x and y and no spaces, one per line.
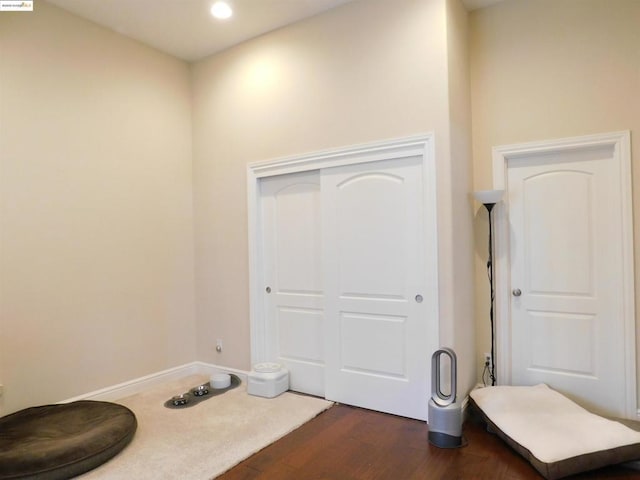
{"x":419,"y":145}
{"x":620,"y":142}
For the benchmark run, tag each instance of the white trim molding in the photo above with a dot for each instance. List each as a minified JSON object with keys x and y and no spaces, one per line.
{"x":337,"y":157}
{"x":620,"y":144}
{"x":414,"y":146}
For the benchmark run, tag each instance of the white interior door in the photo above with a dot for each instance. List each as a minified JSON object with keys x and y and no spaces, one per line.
{"x":293,"y":283}
{"x":568,"y":320}
{"x":376,"y":302}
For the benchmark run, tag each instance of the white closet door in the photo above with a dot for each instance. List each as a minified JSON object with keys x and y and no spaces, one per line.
{"x":293,"y":284}
{"x":376,"y":305}
{"x":568,"y":327}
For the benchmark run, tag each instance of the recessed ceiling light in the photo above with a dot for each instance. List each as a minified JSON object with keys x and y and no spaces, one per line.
{"x":221,"y":10}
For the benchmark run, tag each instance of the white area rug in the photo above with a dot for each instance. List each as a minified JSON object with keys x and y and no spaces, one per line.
{"x":203,"y":441}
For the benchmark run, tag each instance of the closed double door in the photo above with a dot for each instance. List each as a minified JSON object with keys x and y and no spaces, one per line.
{"x":346,"y":305}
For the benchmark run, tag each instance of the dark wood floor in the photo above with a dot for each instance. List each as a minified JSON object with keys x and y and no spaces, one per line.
{"x":347,"y":443}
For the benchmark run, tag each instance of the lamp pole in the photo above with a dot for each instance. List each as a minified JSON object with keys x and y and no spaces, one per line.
{"x":492,"y":374}
{"x":489,"y":198}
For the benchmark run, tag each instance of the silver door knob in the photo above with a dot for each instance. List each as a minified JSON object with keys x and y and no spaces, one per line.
{"x":268,"y":289}
{"x":516,"y":292}
{"x":419,"y":298}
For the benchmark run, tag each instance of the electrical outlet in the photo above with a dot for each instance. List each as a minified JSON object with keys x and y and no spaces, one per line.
{"x":219,"y":345}
{"x":487,"y":359}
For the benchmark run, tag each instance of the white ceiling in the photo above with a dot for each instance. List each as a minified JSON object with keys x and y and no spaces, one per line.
{"x":185,"y":29}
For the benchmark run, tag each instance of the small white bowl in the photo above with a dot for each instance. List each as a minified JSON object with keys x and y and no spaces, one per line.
{"x":220,"y":380}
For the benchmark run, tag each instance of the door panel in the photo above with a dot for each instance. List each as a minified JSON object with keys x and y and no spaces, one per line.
{"x":300,"y":333}
{"x":567,"y":325}
{"x":371,"y":219}
{"x":552,"y":353}
{"x":567,"y":224}
{"x":291,"y":232}
{"x":389,"y":336}
{"x":376,"y":331}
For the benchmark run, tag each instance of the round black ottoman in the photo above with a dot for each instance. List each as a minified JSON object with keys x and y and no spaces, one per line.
{"x":61,"y":441}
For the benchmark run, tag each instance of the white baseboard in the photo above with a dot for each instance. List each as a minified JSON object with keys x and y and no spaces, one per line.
{"x":140,"y":384}
{"x":210,"y":368}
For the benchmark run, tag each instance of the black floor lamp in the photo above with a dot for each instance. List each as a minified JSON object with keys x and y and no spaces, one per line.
{"x":489,"y":198}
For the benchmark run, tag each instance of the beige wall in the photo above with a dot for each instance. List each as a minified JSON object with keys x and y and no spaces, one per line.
{"x":548,"y":69}
{"x":96,"y":243}
{"x":360,"y":73}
